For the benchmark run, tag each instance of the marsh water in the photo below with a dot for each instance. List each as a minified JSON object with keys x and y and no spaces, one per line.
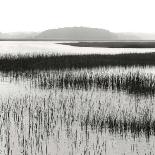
{"x":106,"y":110}
{"x":51,"y":47}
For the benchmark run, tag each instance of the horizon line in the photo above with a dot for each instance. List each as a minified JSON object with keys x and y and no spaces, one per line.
{"x":39,"y":31}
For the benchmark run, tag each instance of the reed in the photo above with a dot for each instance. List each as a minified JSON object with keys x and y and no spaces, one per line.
{"x":28,"y":62}
{"x":34,"y":119}
{"x":130,"y":82}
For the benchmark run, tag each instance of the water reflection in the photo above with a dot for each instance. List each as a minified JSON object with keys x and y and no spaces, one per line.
{"x":50,"y":47}
{"x":70,"y":112}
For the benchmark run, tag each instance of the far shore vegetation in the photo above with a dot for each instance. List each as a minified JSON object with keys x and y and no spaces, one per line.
{"x":114,"y":44}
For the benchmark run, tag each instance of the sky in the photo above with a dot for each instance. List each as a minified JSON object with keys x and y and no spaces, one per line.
{"x":114,"y":15}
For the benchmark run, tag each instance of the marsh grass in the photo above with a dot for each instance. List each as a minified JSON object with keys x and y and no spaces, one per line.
{"x":75,"y":101}
{"x":30,"y":121}
{"x":40,"y":62}
{"x":132,"y":82}
{"x":135,"y":83}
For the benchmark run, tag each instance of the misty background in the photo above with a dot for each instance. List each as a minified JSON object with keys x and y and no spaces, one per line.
{"x":77,"y":33}
{"x":77,"y":20}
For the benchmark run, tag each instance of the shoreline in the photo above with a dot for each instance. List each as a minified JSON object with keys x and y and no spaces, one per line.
{"x":113,"y":44}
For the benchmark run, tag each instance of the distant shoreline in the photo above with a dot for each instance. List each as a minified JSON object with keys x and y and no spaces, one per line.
{"x":98,"y":43}
{"x":114,"y":44}
{"x":80,"y":41}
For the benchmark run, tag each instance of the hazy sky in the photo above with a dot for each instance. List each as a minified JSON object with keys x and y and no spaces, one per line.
{"x":115,"y":15}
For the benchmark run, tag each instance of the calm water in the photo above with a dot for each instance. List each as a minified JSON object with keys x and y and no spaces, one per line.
{"x":49,"y":47}
{"x":66,"y":112}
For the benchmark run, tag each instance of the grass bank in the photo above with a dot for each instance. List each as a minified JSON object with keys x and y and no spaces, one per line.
{"x":114,"y":44}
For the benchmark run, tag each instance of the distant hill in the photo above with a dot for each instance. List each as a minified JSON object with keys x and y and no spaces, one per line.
{"x":18,"y":35}
{"x":84,"y":34}
{"x":76,"y":34}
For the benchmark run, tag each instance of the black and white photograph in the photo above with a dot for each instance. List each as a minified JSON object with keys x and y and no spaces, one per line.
{"x":77,"y":77}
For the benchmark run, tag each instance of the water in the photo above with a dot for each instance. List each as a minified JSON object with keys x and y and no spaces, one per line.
{"x":50,"y":47}
{"x":83,"y":111}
